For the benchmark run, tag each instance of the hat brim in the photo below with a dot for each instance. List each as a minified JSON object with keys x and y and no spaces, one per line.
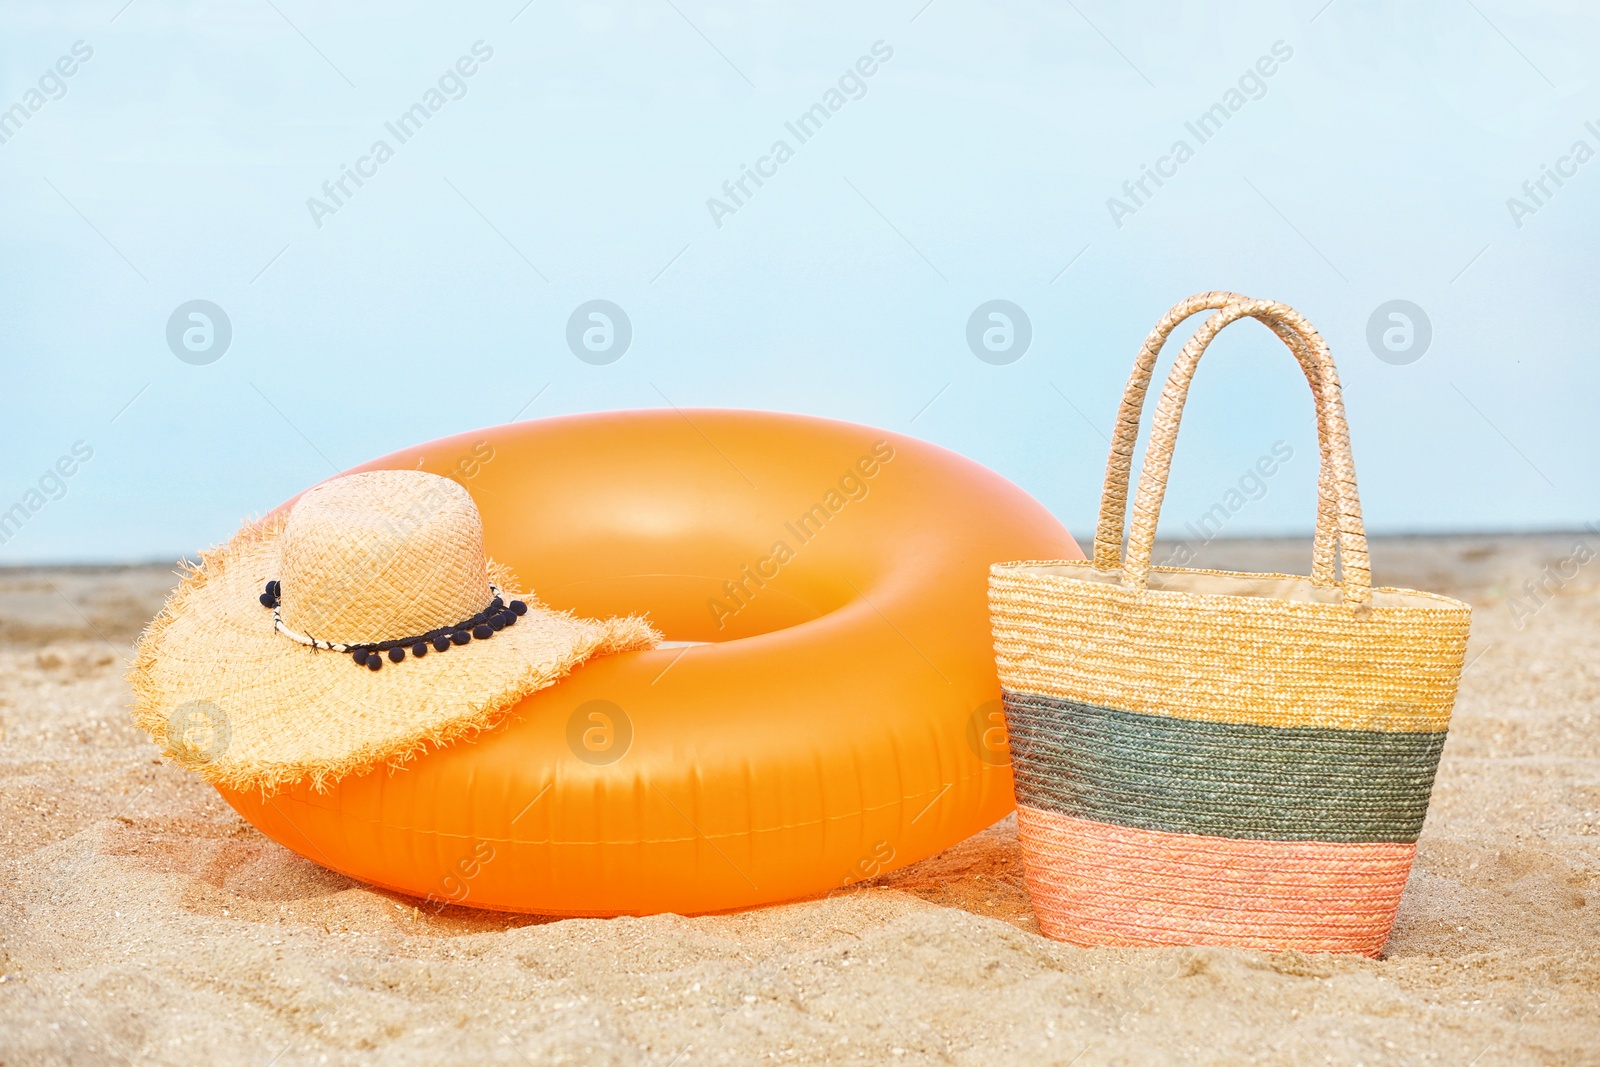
{"x":240,"y":704}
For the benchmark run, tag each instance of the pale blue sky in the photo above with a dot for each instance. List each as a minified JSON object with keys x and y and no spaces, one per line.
{"x":1374,"y":164}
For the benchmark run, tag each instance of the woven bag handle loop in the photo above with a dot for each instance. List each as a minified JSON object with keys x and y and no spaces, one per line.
{"x":1335,"y":446}
{"x":1114,"y":499}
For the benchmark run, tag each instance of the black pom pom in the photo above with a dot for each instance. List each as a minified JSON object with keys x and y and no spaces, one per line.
{"x":460,"y":637}
{"x":508,"y":617}
{"x":359,"y":655}
{"x":483,"y":631}
{"x":519,"y":607}
{"x":268,"y":600}
{"x":496,"y":622}
{"x":441,"y":642}
{"x":419,"y":649}
{"x":496,"y":604}
{"x":374,"y":663}
{"x":396,"y":655}
{"x":274,"y":588}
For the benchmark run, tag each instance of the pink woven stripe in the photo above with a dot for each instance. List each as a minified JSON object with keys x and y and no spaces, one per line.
{"x":1097,"y":884}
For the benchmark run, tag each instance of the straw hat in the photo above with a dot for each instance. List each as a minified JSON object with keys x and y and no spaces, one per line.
{"x":348,"y":634}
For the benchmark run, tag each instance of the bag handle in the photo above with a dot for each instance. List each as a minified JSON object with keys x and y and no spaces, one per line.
{"x":1114,"y":499}
{"x":1334,"y":445}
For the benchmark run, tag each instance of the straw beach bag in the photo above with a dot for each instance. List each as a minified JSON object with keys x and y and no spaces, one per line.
{"x":1210,"y":757}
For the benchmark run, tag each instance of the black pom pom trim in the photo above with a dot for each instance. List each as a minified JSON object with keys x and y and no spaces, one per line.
{"x":369,"y":654}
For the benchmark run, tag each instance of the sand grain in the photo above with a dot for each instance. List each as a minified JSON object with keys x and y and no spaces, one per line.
{"x":142,"y":921}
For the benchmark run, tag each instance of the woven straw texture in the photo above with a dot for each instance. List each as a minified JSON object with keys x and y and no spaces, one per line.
{"x":382,"y":553}
{"x":1193,"y":776}
{"x":1220,"y":757}
{"x":1238,"y":656}
{"x":370,"y":557}
{"x":1098,"y":884}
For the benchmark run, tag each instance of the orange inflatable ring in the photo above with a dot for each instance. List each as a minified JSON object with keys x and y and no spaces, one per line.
{"x":842,"y":719}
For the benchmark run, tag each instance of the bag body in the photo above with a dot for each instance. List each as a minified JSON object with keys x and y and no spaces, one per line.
{"x":1212,"y":757}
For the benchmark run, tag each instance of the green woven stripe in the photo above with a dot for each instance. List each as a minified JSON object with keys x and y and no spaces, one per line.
{"x":1188,"y":776}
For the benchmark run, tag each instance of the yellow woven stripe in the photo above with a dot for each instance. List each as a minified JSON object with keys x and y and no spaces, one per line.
{"x":1239,"y":659}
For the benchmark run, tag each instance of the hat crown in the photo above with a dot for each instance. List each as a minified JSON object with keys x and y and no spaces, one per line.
{"x":380,"y":555}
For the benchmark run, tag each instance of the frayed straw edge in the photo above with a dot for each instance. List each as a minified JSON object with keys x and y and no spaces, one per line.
{"x":193,"y":576}
{"x":617,"y":635}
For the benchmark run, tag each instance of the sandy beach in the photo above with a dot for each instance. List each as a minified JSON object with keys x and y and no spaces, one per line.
{"x":142,"y":921}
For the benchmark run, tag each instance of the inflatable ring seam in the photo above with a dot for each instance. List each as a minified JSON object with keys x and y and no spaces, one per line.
{"x":784,"y":828}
